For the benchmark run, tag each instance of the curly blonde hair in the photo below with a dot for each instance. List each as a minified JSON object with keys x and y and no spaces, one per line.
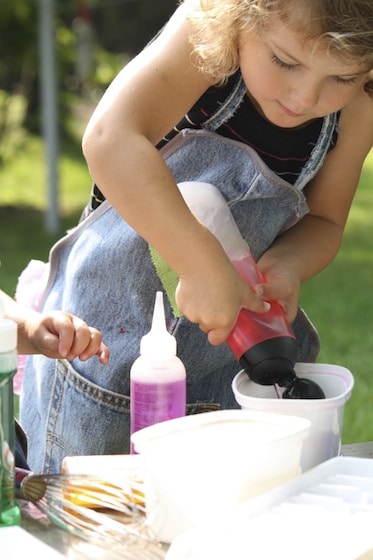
{"x":344,"y":28}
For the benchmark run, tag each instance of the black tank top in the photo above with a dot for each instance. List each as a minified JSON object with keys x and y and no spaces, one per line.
{"x":284,"y":150}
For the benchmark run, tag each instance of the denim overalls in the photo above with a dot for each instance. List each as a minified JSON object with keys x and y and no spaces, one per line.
{"x":104,"y":272}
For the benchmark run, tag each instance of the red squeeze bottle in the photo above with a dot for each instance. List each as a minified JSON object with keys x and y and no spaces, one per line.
{"x":263,"y":343}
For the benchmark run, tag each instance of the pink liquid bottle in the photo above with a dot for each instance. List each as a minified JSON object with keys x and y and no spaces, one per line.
{"x":158,"y":377}
{"x":263,"y":343}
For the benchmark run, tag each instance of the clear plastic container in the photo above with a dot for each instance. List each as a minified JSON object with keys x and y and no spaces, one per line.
{"x":325,"y":415}
{"x":200,"y":465}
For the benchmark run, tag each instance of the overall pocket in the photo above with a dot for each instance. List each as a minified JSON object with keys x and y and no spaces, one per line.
{"x":78,"y":416}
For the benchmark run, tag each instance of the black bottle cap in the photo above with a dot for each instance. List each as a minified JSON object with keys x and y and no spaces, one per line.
{"x":271,"y":361}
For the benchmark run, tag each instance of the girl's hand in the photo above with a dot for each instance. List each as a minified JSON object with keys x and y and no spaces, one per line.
{"x":213,"y":297}
{"x":282,"y":285}
{"x":58,"y":334}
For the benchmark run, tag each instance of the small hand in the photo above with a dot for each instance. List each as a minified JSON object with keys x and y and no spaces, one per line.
{"x":58,"y":334}
{"x":282,"y":285}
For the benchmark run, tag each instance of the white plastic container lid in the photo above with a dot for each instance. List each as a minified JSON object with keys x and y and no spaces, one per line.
{"x":228,"y":427}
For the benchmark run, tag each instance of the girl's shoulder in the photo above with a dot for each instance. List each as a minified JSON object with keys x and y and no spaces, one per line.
{"x":357,"y":117}
{"x":355,"y":138}
{"x":360,"y":107}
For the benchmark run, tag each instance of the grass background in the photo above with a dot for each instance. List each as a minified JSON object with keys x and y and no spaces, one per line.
{"x":339,"y":300}
{"x":340,"y":303}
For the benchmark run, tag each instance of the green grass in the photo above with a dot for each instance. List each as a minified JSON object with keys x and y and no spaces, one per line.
{"x":340,"y":303}
{"x":339,"y":300}
{"x":23,"y":203}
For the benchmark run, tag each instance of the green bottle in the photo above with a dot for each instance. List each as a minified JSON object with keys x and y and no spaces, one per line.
{"x":9,"y":508}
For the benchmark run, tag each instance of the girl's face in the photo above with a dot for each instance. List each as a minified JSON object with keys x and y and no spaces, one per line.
{"x":292,"y":84}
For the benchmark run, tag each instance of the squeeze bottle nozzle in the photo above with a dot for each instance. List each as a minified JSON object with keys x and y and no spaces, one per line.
{"x":158,"y":341}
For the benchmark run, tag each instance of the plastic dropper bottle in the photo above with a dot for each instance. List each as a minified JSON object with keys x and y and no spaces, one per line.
{"x":9,"y":508}
{"x":158,"y":377}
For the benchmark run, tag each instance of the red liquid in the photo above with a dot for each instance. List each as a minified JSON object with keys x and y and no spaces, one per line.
{"x":252,"y":328}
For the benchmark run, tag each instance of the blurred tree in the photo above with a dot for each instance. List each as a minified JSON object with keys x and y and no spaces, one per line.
{"x":128,"y":25}
{"x":18,"y":44}
{"x":118,"y":26}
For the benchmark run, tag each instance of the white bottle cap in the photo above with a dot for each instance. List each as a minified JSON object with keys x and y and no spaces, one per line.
{"x":158,"y":342}
{"x":8,"y":332}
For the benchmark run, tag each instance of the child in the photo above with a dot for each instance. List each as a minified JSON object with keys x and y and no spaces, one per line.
{"x":268,"y":100}
{"x":55,"y":334}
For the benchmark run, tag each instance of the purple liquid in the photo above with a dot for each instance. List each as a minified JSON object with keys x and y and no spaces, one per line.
{"x":156,"y":402}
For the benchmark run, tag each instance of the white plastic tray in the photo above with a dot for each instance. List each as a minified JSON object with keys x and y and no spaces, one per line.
{"x":325,"y":513}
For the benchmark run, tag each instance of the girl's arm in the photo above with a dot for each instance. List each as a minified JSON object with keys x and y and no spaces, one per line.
{"x":309,"y":246}
{"x":147,"y":98}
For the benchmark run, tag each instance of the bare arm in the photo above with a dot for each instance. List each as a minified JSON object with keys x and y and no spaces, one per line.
{"x":311,"y":245}
{"x":144,"y":102}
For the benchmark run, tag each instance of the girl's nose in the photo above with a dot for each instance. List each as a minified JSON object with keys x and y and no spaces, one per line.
{"x":304,"y":94}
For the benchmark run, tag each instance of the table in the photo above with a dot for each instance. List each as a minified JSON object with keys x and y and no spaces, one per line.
{"x":358,"y":450}
{"x":74,"y":548}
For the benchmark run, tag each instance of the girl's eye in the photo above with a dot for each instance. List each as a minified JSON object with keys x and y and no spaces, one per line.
{"x":281,"y":63}
{"x":337,"y":79}
{"x":345,"y":81}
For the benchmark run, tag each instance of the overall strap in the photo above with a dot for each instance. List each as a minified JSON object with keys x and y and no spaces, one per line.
{"x":319,"y":152}
{"x":228,"y":107}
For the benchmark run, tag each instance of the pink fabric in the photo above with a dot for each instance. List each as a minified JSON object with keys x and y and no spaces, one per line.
{"x":29,"y":293}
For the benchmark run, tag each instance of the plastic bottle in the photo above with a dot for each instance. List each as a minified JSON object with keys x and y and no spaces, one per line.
{"x":263,"y":343}
{"x":158,"y":377}
{"x":9,"y":508}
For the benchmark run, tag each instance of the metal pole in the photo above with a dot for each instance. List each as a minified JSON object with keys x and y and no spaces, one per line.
{"x":48,"y":89}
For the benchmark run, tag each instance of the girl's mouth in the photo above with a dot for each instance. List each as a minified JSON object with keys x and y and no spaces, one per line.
{"x":287,"y":111}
